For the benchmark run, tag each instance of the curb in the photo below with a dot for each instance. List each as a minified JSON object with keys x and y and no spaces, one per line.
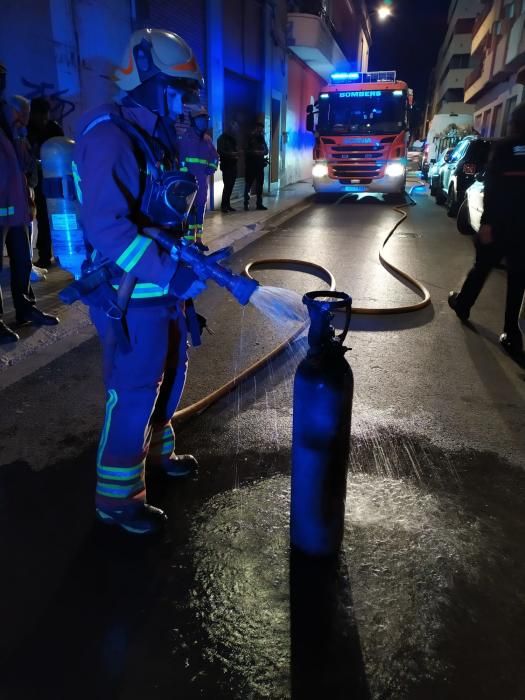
{"x":16,"y":368}
{"x":244,"y":235}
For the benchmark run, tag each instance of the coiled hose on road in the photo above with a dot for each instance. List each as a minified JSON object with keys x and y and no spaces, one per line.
{"x":324,"y":274}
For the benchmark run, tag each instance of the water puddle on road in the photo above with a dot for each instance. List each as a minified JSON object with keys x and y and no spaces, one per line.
{"x":426,"y":599}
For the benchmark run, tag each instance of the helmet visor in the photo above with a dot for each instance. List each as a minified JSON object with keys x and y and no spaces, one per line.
{"x":179,"y":196}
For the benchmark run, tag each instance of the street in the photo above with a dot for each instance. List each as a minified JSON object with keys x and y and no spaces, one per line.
{"x":427,"y":598}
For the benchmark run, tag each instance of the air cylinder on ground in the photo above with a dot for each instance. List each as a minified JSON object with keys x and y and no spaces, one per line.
{"x":63,"y":205}
{"x":322,"y":411}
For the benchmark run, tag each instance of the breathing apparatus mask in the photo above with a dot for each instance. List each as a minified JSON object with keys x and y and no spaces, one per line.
{"x":168,"y":197}
{"x":168,"y":194}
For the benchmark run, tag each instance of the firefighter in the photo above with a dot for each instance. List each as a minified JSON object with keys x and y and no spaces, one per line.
{"x":502,"y":233}
{"x":197,"y":155}
{"x":255,"y":161}
{"x":144,"y":381}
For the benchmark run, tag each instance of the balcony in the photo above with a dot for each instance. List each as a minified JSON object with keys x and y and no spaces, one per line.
{"x":310,"y":38}
{"x":500,"y":72}
{"x":515,"y":57}
{"x":483,"y":26}
{"x":479,"y":79}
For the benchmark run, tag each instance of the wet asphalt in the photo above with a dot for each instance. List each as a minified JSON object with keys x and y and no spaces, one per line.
{"x":426,"y":599}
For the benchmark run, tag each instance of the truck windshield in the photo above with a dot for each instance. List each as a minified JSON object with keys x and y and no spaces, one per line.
{"x":362,"y":112}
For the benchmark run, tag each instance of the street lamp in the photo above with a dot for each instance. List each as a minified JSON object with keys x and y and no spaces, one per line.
{"x":383,"y":12}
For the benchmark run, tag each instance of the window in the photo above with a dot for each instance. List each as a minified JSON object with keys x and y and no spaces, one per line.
{"x":509,"y":107}
{"x":509,"y":10}
{"x":454,"y":95}
{"x":496,"y":119}
{"x":485,"y":123}
{"x":459,"y":60}
{"x":459,"y":151}
{"x":478,"y":152}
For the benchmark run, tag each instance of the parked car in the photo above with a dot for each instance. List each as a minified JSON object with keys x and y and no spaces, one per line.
{"x":434,"y":169}
{"x":458,"y":172}
{"x":471,"y":209}
{"x":415,"y":155}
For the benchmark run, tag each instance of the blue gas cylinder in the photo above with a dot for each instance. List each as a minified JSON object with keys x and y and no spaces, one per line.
{"x":322,"y":412}
{"x":62,"y":204}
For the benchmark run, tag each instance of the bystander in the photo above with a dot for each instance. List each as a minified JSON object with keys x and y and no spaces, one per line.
{"x":502,"y":233}
{"x":15,"y":218}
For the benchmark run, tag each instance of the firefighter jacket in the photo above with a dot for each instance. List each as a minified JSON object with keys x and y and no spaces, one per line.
{"x":109,"y":176}
{"x":197,"y":155}
{"x":14,"y":192}
{"x":504,"y":190}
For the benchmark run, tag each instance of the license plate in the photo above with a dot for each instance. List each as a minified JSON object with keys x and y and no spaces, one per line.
{"x":355,"y":188}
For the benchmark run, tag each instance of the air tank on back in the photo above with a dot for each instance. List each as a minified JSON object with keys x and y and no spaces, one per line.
{"x":63,"y":206}
{"x":322,"y":411}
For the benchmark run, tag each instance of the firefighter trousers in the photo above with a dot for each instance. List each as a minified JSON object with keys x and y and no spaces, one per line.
{"x":144,"y":387}
{"x":196,"y":222}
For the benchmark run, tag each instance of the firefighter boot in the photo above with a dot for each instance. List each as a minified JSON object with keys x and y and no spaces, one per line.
{"x":179,"y":465}
{"x":137,"y":519}
{"x":162,"y":453}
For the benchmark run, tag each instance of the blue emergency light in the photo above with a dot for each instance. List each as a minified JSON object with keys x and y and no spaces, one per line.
{"x":345,"y":77}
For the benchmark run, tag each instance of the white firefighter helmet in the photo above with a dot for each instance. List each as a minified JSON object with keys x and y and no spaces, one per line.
{"x":153,"y":51}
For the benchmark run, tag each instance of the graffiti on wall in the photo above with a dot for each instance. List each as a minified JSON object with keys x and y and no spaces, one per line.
{"x":60,"y":107}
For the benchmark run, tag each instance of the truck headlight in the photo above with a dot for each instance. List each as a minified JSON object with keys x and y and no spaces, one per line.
{"x":320,"y":170}
{"x":395,"y":170}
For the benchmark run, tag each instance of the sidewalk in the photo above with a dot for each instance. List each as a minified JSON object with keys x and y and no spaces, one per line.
{"x":39,"y":346}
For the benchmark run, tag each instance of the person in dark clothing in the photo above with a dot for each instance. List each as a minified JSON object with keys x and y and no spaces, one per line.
{"x":40,"y":129}
{"x":255,"y":160}
{"x":229,"y":156}
{"x":502,"y":233}
{"x":14,"y":227}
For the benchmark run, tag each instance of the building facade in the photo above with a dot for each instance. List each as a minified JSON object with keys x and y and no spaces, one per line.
{"x":495,"y":84}
{"x":447,"y":95}
{"x":250,"y":51}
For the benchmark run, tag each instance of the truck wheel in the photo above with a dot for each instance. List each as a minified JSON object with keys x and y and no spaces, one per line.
{"x":463,"y":220}
{"x":452,"y":203}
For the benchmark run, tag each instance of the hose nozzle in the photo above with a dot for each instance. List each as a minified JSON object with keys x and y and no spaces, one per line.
{"x":207,"y":266}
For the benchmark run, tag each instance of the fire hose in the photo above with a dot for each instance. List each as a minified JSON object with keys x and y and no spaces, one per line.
{"x":324,"y":274}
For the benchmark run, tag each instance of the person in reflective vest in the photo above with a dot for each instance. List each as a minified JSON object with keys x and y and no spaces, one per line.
{"x":144,"y":383}
{"x":198,"y":156}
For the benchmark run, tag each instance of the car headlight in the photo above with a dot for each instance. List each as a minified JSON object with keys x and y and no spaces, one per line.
{"x":320,"y":170}
{"x":394,"y":170}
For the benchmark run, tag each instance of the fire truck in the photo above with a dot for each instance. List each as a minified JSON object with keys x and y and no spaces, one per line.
{"x":360,"y":122}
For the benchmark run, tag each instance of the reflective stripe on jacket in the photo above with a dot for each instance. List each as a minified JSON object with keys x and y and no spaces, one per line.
{"x":198,"y":156}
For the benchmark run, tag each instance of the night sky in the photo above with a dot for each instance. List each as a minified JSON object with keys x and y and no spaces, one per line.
{"x":409,"y":42}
